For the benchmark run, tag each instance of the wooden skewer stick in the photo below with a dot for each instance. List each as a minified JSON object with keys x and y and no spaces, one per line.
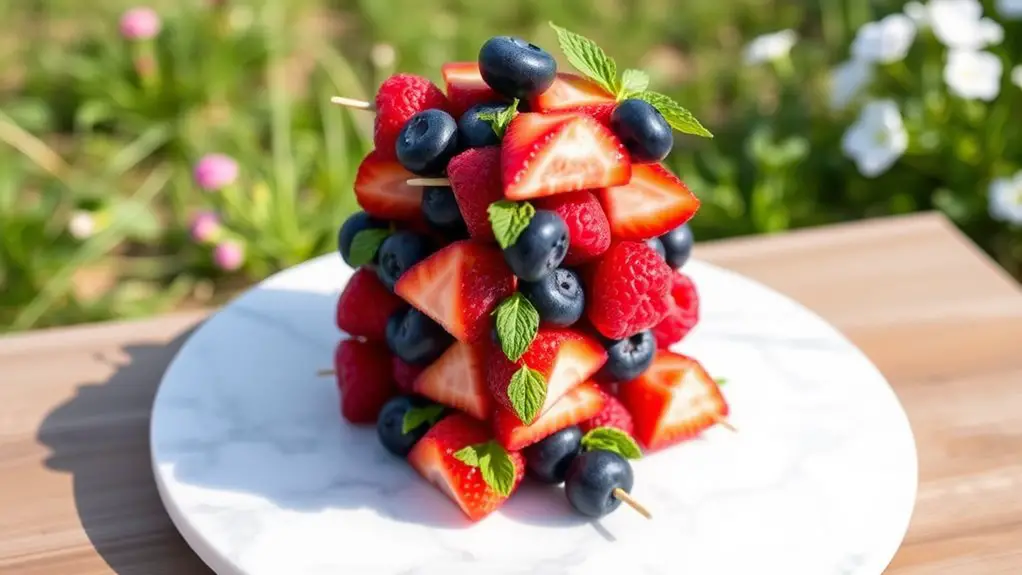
{"x":325,"y":372}
{"x":428,"y":182}
{"x":627,"y":499}
{"x":353,"y":103}
{"x":723,"y":422}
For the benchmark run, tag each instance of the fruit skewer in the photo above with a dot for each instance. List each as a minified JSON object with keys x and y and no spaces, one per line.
{"x":353,"y":103}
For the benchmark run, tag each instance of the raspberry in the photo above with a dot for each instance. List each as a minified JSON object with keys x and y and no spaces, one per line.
{"x":399,"y":98}
{"x":684,"y":313}
{"x":476,"y":181}
{"x":364,"y":378}
{"x":405,"y":374}
{"x":613,"y":414}
{"x":628,"y":291}
{"x":588,"y":228}
{"x":365,"y":306}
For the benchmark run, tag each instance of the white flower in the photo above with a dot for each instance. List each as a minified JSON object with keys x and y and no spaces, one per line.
{"x":973,"y":75}
{"x":1005,"y":199}
{"x":1016,"y":75}
{"x":918,"y":13}
{"x":1010,"y":9}
{"x":877,"y":139}
{"x":770,"y":47}
{"x":847,"y":81}
{"x":885,"y":41}
{"x":960,"y":24}
{"x":81,"y":225}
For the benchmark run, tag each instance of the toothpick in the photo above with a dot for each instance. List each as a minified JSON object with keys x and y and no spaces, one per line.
{"x":325,"y":373}
{"x":626,"y":498}
{"x":353,"y":103}
{"x":723,"y":422}
{"x":428,"y":182}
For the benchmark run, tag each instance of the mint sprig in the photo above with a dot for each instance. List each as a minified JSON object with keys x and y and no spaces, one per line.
{"x":365,"y":244}
{"x":517,"y":324}
{"x":499,"y":121}
{"x":509,"y":219}
{"x":633,"y":82}
{"x":424,"y":414}
{"x":586,"y":57}
{"x":493,"y":462}
{"x":720,"y":381}
{"x":527,"y":392}
{"x":611,"y":439}
{"x":678,"y":117}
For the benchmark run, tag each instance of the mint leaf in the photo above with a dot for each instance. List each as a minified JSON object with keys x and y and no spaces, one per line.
{"x":720,"y":381}
{"x":509,"y":220}
{"x":678,"y":117}
{"x":417,"y":416}
{"x":494,"y":463}
{"x":633,"y":82}
{"x":586,"y":57}
{"x":527,"y":392}
{"x":499,"y":120}
{"x":517,"y":325}
{"x":611,"y":439}
{"x":364,"y":245}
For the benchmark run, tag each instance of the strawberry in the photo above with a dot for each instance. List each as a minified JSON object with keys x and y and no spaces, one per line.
{"x":465,"y":87}
{"x":683,"y":314}
{"x":452,"y":455}
{"x":457,"y":379}
{"x":613,"y":414}
{"x":574,"y":93}
{"x":364,"y":379}
{"x":563,"y":357}
{"x":476,"y":182}
{"x":654,"y":202}
{"x":547,"y":154}
{"x":365,"y":306}
{"x":405,"y":374}
{"x":458,"y":287}
{"x":399,"y":98}
{"x":675,"y":399}
{"x":381,"y":190}
{"x":627,"y":290}
{"x":582,"y":402}
{"x":588,"y":229}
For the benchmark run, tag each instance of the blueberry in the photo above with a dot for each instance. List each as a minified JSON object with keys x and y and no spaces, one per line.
{"x":592,"y":479}
{"x":658,"y":246}
{"x":540,"y":248}
{"x":415,"y":338}
{"x":440,"y":209}
{"x":677,"y":245}
{"x":627,"y":358}
{"x":516,"y":69}
{"x":427,"y":142}
{"x":390,"y":424}
{"x":558,"y":297}
{"x":355,"y":223}
{"x":476,"y":133}
{"x":548,"y":460}
{"x":400,"y":251}
{"x":643,"y":131}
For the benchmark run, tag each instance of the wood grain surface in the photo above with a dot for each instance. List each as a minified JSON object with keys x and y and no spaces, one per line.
{"x":940,"y":320}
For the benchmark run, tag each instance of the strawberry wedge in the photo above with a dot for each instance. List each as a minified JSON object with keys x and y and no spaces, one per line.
{"x":458,"y":379}
{"x":381,"y":191}
{"x":465,"y":87}
{"x":578,"y":405}
{"x":574,"y":93}
{"x":651,"y":204}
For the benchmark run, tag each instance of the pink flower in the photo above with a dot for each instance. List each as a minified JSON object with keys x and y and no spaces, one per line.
{"x":228,"y":255}
{"x":215,"y":171}
{"x":205,"y":227}
{"x":140,"y":23}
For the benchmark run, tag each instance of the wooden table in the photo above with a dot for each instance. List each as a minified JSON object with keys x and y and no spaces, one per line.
{"x":940,"y":320}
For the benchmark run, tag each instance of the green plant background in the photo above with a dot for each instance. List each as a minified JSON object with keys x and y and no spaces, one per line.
{"x":252,"y":79}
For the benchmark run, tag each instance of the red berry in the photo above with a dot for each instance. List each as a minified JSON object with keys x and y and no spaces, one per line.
{"x":588,"y":229}
{"x":579,"y":404}
{"x":683,"y":315}
{"x":628,"y":290}
{"x":458,"y":379}
{"x":381,"y":191}
{"x":613,"y":414}
{"x":653,"y":202}
{"x":476,"y":182}
{"x":466,"y":87}
{"x":365,"y":380}
{"x":399,"y":98}
{"x":574,"y":93}
{"x":365,"y":306}
{"x":405,"y":374}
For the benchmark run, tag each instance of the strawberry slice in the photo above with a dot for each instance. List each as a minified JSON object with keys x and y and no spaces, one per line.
{"x":457,"y":379}
{"x":436,"y":458}
{"x":465,"y":87}
{"x":675,"y":399}
{"x":563,"y":357}
{"x":381,"y":190}
{"x":653,"y":203}
{"x":458,"y":287}
{"x":574,"y":93}
{"x":578,"y":405}
{"x":547,"y":154}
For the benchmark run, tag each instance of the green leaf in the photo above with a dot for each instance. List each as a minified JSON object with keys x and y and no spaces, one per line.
{"x":611,"y":439}
{"x":364,"y":245}
{"x":527,"y":392}
{"x":509,"y":219}
{"x":720,"y":381}
{"x":633,"y":82}
{"x":499,"y":120}
{"x":588,"y":58}
{"x":494,"y":463}
{"x":678,"y":117}
{"x":517,"y":325}
{"x":416,"y":416}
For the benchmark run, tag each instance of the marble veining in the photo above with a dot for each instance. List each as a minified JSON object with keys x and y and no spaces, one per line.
{"x":261,"y":475}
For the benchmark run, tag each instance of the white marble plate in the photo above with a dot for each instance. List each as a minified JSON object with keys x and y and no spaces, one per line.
{"x":261,"y":475}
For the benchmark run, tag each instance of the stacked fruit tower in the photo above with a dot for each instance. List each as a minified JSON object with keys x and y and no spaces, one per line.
{"x":516,"y":281}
